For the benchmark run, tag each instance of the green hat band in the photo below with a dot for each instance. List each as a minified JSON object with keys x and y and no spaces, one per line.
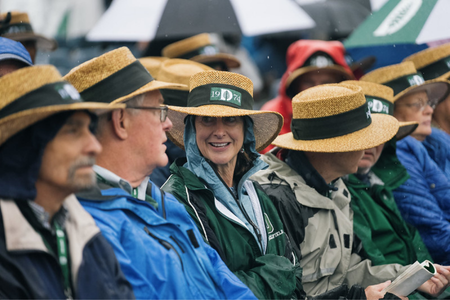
{"x":436,"y":69}
{"x":380,"y":105}
{"x":402,"y":83}
{"x":58,"y":93}
{"x":119,"y":84}
{"x":220,"y":94}
{"x":332,"y":126}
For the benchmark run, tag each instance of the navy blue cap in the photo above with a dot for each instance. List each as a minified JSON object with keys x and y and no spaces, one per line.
{"x":10,"y":49}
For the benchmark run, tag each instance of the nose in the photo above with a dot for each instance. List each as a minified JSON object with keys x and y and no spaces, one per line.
{"x":92,"y":146}
{"x":219,"y":129}
{"x":428,"y":110}
{"x":167,"y":124}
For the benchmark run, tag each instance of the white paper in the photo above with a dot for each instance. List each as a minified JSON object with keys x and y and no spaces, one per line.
{"x":129,"y":20}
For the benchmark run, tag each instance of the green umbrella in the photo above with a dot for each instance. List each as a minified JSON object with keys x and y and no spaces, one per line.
{"x":404,"y":22}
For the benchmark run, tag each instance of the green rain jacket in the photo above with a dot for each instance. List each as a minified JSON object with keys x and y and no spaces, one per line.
{"x":243,"y":227}
{"x":271,"y":275}
{"x":385,"y":236}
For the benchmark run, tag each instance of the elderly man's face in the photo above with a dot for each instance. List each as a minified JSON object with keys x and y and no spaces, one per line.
{"x":68,"y":158}
{"x":148,"y":134}
{"x":369,"y":159}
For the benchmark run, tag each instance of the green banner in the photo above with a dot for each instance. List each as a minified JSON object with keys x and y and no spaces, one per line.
{"x":397,"y":22}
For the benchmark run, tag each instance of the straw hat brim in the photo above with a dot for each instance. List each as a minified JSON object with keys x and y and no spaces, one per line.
{"x":42,"y":42}
{"x":405,"y":129}
{"x":266,"y":124}
{"x":151,"y":86}
{"x":14,"y":123}
{"x":381,"y":130}
{"x":231,"y":61}
{"x":445,"y":76}
{"x":437,"y":89}
{"x":335,"y":69}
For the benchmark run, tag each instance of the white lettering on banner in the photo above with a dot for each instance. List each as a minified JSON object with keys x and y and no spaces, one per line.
{"x":398,"y":17}
{"x":276,"y":234}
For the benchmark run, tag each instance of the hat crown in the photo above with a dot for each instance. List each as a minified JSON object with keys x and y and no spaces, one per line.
{"x":221,"y":77}
{"x":373,"y":89}
{"x":179,"y":48}
{"x":18,"y":83}
{"x":180,"y":71}
{"x":97,"y":69}
{"x":390,"y":73}
{"x":428,"y":56}
{"x":16,"y":17}
{"x":326,"y":100}
{"x":153,"y":64}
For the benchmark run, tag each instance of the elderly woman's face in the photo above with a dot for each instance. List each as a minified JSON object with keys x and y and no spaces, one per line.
{"x":414,"y":107}
{"x":220,"y":139}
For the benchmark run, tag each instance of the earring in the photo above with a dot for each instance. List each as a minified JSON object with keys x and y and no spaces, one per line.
{"x":242,"y":150}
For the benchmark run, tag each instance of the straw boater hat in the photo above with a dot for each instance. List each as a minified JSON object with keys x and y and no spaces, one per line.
{"x":224,"y":94}
{"x":380,"y":100}
{"x":403,"y":78}
{"x":201,"y":49}
{"x":153,"y":64}
{"x":179,"y":71}
{"x":16,"y":26}
{"x":34,"y":93}
{"x":432,"y":62}
{"x":114,"y":77}
{"x":319,"y":61}
{"x":335,"y":118}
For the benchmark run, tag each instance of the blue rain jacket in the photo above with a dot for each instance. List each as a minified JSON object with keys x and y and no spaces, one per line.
{"x":424,"y":199}
{"x":160,"y":250}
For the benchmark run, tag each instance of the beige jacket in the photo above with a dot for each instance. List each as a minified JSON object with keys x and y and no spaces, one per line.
{"x":327,"y":259}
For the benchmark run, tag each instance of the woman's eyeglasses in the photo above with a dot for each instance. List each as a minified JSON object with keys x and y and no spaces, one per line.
{"x":163,"y":110}
{"x":419,"y":105}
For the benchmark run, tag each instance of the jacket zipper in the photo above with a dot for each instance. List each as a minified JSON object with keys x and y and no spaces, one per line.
{"x":166,"y":245}
{"x":255,"y":228}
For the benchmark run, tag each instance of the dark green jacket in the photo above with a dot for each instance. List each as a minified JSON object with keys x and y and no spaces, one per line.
{"x":385,"y":236}
{"x":273,"y":275}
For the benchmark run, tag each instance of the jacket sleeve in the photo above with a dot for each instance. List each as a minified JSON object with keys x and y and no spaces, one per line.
{"x":123,"y":246}
{"x":232,"y":286}
{"x":424,"y":200}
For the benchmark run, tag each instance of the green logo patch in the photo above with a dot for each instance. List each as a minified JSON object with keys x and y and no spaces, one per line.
{"x":67,"y":92}
{"x":269,"y":225}
{"x":377,"y":106}
{"x":228,"y":95}
{"x":415,"y":79}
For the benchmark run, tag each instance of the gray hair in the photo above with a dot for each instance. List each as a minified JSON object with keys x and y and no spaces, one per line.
{"x":105,"y":118}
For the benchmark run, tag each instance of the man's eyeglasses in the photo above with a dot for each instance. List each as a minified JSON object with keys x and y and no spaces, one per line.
{"x":163,"y":110}
{"x":418,"y":106}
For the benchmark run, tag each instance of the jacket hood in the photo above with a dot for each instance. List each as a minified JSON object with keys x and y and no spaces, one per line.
{"x":198,"y":165}
{"x":300,"y":51}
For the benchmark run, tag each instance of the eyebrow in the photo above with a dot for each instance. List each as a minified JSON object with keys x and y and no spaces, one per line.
{"x":161,"y":100}
{"x":75,"y":122}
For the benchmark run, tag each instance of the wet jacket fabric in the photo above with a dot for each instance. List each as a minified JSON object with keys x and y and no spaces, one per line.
{"x":244,"y":228}
{"x":423,"y":199}
{"x":385,"y":236}
{"x":28,"y":270}
{"x":321,"y":227}
{"x":159,"y":248}
{"x":438,"y":147}
{"x":296,"y":56}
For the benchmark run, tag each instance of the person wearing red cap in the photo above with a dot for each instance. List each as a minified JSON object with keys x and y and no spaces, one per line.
{"x":310,"y":63}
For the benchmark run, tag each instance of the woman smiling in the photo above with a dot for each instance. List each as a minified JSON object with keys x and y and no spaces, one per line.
{"x":222,"y":135}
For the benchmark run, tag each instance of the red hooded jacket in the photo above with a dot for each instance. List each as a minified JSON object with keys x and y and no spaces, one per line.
{"x":297,"y":54}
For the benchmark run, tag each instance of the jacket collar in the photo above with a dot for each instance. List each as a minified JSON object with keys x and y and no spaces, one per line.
{"x":19,"y":235}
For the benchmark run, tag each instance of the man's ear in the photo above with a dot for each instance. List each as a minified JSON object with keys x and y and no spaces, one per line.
{"x":120,"y":122}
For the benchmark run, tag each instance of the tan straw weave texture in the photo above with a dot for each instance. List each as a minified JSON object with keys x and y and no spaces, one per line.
{"x":428,"y":56}
{"x":373,"y":89}
{"x":390,"y":73}
{"x":178,"y":70}
{"x":153,"y":64}
{"x":179,"y":48}
{"x":229,"y":78}
{"x":328,"y":100}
